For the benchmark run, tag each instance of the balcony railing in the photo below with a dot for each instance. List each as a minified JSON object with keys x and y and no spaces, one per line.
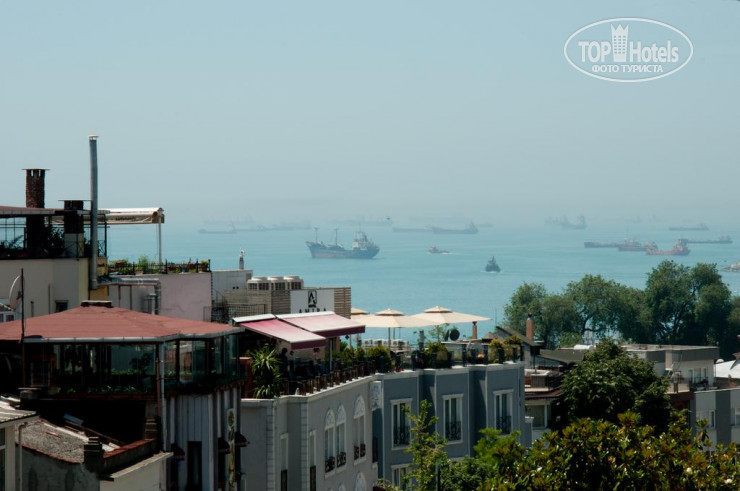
{"x":401,"y":435}
{"x":341,"y":459}
{"x":359,"y":451}
{"x":304,"y":383}
{"x":453,"y":430}
{"x":123,"y":267}
{"x":329,"y":464}
{"x":503,"y":423}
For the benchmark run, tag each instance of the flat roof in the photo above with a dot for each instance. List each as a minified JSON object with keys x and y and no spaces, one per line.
{"x":102,"y":324}
{"x":327,"y":324}
{"x":275,"y":328}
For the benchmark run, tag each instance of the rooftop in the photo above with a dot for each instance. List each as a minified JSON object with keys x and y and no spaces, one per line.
{"x":99,"y":322}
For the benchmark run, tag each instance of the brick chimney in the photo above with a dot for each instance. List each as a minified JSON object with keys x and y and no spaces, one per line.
{"x":35,"y":184}
{"x":36,"y":233}
{"x":530,"y":328}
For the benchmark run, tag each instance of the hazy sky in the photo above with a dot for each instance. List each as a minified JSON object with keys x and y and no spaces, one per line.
{"x":336,"y":109}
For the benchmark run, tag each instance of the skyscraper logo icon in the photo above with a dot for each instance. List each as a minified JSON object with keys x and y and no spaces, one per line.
{"x":619,"y":43}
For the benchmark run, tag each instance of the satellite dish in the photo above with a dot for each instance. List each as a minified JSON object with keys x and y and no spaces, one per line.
{"x":454,"y":334}
{"x":15,"y":293}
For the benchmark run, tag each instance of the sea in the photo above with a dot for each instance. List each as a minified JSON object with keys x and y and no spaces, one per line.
{"x":404,"y":276}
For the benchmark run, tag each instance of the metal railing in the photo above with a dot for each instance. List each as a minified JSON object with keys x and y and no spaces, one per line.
{"x":124,"y":267}
{"x":453,"y":430}
{"x":503,"y":423}
{"x":401,"y":435}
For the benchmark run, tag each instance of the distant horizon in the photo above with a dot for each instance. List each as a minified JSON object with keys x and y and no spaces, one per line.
{"x":330,"y":110}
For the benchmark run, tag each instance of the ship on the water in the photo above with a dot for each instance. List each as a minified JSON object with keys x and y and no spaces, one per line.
{"x":362,"y":248}
{"x":679,"y":249}
{"x":412,"y":229}
{"x":564,"y":222}
{"x":722,"y":239}
{"x":492,"y":266}
{"x":590,"y":245}
{"x":631,"y":245}
{"x":697,"y":227}
{"x":469,"y":229}
{"x":435,"y":250}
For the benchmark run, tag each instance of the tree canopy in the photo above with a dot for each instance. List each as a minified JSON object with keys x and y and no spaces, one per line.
{"x":609,"y":381}
{"x":587,"y":454}
{"x":678,"y":305}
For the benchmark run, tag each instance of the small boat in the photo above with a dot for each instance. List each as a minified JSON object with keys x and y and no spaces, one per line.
{"x":434,"y":250}
{"x":680,"y":249}
{"x":492,"y":266}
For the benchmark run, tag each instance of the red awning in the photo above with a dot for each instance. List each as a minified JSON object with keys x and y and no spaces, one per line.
{"x":275,"y":328}
{"x":327,"y":324}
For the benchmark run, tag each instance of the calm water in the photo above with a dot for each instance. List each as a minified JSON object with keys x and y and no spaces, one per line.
{"x":404,"y":276}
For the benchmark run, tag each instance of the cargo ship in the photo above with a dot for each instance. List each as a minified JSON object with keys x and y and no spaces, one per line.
{"x":470,"y":229}
{"x":435,"y":250}
{"x":590,"y":245}
{"x":679,"y":249}
{"x":722,"y":239}
{"x":362,"y":248}
{"x":699,"y":227}
{"x":631,"y":245}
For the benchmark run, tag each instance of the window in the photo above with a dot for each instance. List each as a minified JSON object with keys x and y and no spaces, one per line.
{"x":284,"y":459}
{"x":502,"y":411}
{"x":61,"y":305}
{"x":735,"y":416}
{"x":284,"y":452}
{"x":341,"y":432}
{"x":706,"y":416}
{"x":453,"y":417}
{"x":538,"y":414}
{"x":398,"y":472}
{"x":329,"y":461}
{"x":359,"y":429}
{"x":195,"y":462}
{"x":400,"y":422}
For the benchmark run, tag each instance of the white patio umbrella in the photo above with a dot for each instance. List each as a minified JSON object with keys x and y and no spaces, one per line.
{"x":442,"y":315}
{"x":391,"y":319}
{"x":355,"y":311}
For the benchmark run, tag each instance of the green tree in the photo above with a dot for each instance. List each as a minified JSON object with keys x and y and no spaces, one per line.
{"x":427,"y":450}
{"x":596,"y":305}
{"x":527,"y":299}
{"x":609,"y":382}
{"x":688,"y":305}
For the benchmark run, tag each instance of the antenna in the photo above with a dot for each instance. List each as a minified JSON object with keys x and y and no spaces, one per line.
{"x":336,"y":236}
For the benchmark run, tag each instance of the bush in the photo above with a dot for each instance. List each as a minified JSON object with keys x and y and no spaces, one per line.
{"x":381,"y":356}
{"x":436,"y":355}
{"x":496,"y":351}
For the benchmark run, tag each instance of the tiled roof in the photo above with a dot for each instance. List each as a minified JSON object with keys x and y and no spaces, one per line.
{"x":109,"y":324}
{"x":10,"y":414}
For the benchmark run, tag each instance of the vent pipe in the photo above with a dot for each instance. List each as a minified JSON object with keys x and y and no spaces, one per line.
{"x":93,"y":212}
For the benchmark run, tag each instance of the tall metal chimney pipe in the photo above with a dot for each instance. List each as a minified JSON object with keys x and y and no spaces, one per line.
{"x":93,"y":212}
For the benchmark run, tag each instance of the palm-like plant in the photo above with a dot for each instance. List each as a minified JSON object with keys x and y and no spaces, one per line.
{"x":266,"y":373}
